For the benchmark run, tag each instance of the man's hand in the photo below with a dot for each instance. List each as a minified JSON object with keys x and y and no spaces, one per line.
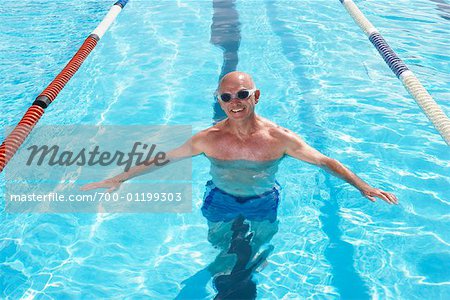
{"x":370,"y":193}
{"x":110,"y":184}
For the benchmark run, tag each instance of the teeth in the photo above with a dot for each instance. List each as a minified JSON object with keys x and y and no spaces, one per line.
{"x":237,"y":110}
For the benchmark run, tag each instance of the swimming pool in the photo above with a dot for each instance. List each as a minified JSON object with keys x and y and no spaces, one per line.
{"x":318,"y":76}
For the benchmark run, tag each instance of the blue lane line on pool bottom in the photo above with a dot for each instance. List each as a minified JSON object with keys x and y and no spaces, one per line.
{"x":225,"y":34}
{"x":339,"y":253}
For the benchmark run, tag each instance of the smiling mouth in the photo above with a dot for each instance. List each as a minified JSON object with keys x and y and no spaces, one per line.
{"x":236,"y":110}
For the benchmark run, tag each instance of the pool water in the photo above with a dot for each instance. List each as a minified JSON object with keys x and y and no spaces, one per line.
{"x":318,"y":75}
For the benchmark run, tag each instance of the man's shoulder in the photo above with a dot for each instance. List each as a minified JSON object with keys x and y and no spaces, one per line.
{"x":208,"y":133}
{"x":276,"y":130}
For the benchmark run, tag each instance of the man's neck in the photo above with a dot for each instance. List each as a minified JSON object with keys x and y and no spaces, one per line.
{"x":243,"y":128}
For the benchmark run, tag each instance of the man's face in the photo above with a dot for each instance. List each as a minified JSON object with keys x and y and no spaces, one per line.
{"x":238,"y":108}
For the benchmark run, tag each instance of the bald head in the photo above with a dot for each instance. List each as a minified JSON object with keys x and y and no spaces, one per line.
{"x":235,"y":80}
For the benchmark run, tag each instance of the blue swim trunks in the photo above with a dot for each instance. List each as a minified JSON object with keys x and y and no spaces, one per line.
{"x":221,"y":206}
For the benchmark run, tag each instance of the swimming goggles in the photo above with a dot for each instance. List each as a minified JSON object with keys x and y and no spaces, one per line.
{"x":242,"y":94}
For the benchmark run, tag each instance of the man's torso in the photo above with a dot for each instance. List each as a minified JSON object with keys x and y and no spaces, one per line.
{"x":266,"y":143}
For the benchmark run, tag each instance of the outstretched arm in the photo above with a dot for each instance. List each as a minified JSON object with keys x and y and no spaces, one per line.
{"x":299,"y":149}
{"x":191,"y":148}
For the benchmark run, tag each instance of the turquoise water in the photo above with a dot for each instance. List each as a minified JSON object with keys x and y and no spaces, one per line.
{"x":319,"y":76}
{"x":244,"y":177}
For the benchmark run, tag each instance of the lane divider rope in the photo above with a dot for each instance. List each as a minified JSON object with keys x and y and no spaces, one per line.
{"x":431,"y":109}
{"x":15,"y":139}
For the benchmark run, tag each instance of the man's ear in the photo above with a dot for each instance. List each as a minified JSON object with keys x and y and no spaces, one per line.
{"x":257,"y":94}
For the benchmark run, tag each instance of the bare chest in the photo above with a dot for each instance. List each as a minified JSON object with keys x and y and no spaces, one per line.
{"x":258,"y":147}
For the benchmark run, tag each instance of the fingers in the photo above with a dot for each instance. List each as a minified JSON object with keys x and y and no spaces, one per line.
{"x":88,"y":187}
{"x":371,"y":198}
{"x":382,"y":196}
{"x":91,"y":186}
{"x":112,"y":189}
{"x":388,"y":197}
{"x":385,"y":196}
{"x":102,"y":184}
{"x":391,"y":197}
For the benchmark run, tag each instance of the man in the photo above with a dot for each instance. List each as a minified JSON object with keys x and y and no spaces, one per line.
{"x":245,"y":136}
{"x":245,"y":150}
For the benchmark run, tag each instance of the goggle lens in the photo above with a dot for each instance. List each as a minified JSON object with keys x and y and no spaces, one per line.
{"x":225,"y":97}
{"x":242,"y":94}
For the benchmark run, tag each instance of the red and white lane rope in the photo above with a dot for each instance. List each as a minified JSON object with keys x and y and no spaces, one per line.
{"x":13,"y":141}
